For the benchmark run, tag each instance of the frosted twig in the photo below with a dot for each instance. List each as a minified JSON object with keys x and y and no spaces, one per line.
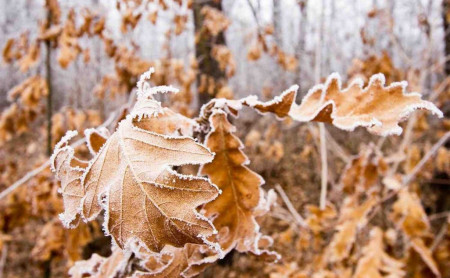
{"x":297,"y":217}
{"x":46,"y":164}
{"x":324,"y":166}
{"x":323,"y":143}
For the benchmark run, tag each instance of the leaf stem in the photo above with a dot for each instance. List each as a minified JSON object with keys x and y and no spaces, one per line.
{"x":324,"y":166}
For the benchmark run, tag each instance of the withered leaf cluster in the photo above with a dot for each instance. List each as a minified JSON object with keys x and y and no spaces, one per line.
{"x":172,"y":224}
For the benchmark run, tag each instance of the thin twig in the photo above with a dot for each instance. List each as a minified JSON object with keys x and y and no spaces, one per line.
{"x":46,"y":164}
{"x":3,"y":259}
{"x":297,"y":217}
{"x":439,"y":215}
{"x":336,"y":148}
{"x":24,"y":179}
{"x":324,"y":166}
{"x":407,"y":179}
{"x":405,"y":142}
{"x":439,"y":236}
{"x":426,"y":157}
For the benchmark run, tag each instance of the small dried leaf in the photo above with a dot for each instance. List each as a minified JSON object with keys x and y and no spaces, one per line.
{"x":375,"y":260}
{"x":234,"y":210}
{"x":280,"y":105}
{"x":353,"y":218}
{"x":363,"y":172}
{"x":409,"y":214}
{"x":173,"y":262}
{"x":99,"y":267}
{"x":69,"y":171}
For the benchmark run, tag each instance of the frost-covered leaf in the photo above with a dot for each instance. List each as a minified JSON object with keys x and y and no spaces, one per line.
{"x":145,"y":198}
{"x":96,"y":138}
{"x":100,"y":267}
{"x":280,"y":105}
{"x":132,"y":179}
{"x":234,"y":210}
{"x":174,"y":262}
{"x":376,"y":107}
{"x":69,"y":170}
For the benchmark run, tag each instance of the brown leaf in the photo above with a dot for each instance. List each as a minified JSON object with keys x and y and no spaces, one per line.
{"x":234,"y":210}
{"x":100,"y":267}
{"x":55,"y":240}
{"x":131,"y":178}
{"x":363,"y":172}
{"x":7,"y":52}
{"x":280,"y":105}
{"x":69,"y":171}
{"x":214,"y":20}
{"x":173,"y":262}
{"x":376,"y":107}
{"x":353,"y":218}
{"x":375,"y":260}
{"x":96,"y":138}
{"x":409,"y":214}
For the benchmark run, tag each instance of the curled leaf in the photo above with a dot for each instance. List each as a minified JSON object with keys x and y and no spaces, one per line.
{"x":69,"y":170}
{"x":376,"y":107}
{"x":96,"y":138}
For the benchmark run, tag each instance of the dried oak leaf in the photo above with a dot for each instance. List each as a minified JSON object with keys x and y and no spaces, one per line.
{"x":376,"y":107}
{"x":353,"y":218}
{"x":364,"y":171}
{"x":409,"y":214}
{"x":132,"y":179}
{"x":376,"y":261}
{"x":235,"y":209}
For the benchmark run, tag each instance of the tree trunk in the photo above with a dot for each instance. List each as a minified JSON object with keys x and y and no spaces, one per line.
{"x":446,"y":20}
{"x":208,"y":67}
